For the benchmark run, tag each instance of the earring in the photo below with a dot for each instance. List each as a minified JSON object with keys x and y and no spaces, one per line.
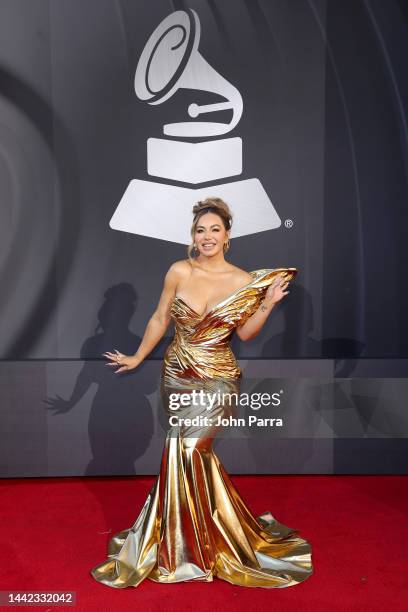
{"x":195,"y":249}
{"x":226,"y":245}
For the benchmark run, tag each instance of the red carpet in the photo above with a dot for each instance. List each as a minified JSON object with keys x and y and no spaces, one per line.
{"x":54,"y":530}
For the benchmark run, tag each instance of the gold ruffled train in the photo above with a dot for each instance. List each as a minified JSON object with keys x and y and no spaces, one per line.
{"x":194,"y":525}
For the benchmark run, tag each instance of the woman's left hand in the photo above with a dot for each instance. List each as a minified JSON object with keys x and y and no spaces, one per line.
{"x":276,"y":291}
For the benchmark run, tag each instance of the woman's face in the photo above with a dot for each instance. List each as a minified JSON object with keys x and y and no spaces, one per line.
{"x":210,"y":234}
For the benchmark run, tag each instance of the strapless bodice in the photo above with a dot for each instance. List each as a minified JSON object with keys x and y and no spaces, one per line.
{"x":201,"y":343}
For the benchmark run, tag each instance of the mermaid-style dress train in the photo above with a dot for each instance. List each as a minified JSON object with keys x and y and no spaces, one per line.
{"x":194,"y":525}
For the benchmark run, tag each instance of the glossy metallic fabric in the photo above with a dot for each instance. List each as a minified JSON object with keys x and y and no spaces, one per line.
{"x":194,"y":525}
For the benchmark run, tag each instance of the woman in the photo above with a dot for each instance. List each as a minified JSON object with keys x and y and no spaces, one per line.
{"x":194,"y":525}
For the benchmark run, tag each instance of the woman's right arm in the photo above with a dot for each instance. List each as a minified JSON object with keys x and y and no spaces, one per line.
{"x":160,"y":319}
{"x":158,"y":322}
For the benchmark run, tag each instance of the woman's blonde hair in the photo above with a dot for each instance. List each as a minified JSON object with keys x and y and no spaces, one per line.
{"x":214,"y":205}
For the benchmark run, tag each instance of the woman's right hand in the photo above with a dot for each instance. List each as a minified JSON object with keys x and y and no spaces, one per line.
{"x":124,"y":363}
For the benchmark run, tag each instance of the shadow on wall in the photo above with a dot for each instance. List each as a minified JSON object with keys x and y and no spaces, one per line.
{"x":120,"y":421}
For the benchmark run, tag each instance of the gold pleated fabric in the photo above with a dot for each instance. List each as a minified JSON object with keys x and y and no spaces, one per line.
{"x":194,"y":525}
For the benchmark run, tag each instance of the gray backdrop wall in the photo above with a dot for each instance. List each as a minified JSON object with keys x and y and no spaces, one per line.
{"x":324,"y":128}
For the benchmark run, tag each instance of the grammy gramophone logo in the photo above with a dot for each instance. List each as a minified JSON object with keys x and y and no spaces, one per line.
{"x":192,"y":152}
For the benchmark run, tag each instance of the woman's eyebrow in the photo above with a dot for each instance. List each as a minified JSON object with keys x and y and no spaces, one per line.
{"x":202,"y":226}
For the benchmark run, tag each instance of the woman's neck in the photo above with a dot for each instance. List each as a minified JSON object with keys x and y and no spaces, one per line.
{"x":212,"y":264}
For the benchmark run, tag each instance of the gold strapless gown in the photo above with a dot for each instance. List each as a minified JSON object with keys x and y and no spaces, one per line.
{"x":194,"y":525}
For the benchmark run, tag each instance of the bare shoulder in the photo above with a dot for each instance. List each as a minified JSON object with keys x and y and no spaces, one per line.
{"x":182,"y":266}
{"x":179,"y":270}
{"x":241,"y":276}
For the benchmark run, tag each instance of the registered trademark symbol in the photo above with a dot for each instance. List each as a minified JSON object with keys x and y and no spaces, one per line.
{"x":288,"y":223}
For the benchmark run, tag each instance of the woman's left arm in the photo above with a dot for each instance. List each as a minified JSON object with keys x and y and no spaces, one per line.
{"x":251,"y":328}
